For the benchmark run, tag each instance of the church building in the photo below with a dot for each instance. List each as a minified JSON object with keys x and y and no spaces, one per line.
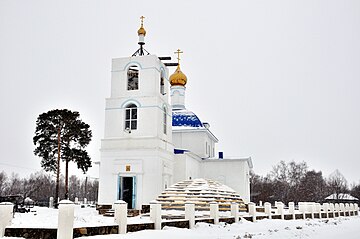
{"x":151,"y":140}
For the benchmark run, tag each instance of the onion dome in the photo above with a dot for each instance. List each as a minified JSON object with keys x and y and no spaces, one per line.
{"x":141,"y":30}
{"x":178,"y":77}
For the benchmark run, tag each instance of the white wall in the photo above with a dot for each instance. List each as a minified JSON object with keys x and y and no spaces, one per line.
{"x":194,"y":140}
{"x":147,"y":150}
{"x":152,"y":167}
{"x":231,"y":172}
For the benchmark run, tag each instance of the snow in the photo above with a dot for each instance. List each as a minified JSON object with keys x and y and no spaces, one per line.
{"x":343,"y":227}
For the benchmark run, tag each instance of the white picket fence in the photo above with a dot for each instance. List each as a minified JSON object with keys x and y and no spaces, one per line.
{"x":66,"y":213}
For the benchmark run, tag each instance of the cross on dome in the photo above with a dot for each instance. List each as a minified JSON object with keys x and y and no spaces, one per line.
{"x":141,"y":30}
{"x":142,"y":20}
{"x":178,"y":78}
{"x":141,"y":33}
{"x":178,"y":52}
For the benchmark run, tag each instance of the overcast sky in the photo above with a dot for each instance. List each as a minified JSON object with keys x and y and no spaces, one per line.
{"x":276,"y":80}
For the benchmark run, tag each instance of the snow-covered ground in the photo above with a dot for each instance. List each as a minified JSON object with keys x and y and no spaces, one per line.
{"x":343,"y":227}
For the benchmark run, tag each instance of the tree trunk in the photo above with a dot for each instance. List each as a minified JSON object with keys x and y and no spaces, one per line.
{"x":85,"y":194}
{"x":57,"y":172}
{"x":67,"y":179}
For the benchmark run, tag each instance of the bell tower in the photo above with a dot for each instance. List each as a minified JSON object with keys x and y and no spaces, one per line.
{"x":137,"y":152}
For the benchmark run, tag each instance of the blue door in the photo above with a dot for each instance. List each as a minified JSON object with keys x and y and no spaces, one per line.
{"x":127,"y":190}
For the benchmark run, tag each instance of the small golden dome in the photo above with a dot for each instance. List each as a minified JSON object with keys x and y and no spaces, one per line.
{"x":141,"y":31}
{"x":178,"y":78}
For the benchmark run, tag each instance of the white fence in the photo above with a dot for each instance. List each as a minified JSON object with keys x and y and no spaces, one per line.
{"x":304,"y":210}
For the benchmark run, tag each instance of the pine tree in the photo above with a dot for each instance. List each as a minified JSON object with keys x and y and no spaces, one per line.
{"x":61,"y":135}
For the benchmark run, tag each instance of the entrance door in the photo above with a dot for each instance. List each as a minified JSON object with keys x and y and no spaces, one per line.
{"x":127,"y":189}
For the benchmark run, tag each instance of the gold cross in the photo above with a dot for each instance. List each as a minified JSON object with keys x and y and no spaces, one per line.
{"x":142,"y":20}
{"x":178,"y":53}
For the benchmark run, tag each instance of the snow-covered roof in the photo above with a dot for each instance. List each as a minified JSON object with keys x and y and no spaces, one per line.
{"x":342,"y":196}
{"x":185,"y":118}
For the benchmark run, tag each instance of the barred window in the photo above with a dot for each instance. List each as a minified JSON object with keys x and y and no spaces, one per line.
{"x":131,"y":117}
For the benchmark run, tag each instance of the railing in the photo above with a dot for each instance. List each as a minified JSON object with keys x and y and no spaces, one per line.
{"x":305,"y":210}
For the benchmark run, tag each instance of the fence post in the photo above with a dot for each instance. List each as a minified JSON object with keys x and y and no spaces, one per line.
{"x":302,"y":208}
{"x":312,"y":209}
{"x":267,"y":206}
{"x":318,"y":209}
{"x":347,"y":208}
{"x":190,"y":214}
{"x":214,"y":212}
{"x":356,"y":208}
{"x":6,"y":215}
{"x":292,"y":209}
{"x":155,"y":214}
{"x":120,"y":216}
{"x":342,"y":208}
{"x":51,"y":202}
{"x":235,"y":211}
{"x":65,"y":220}
{"x":332,"y":209}
{"x":252,"y":211}
{"x":352,"y":208}
{"x":326,"y":209}
{"x":280,"y":209}
{"x":337,"y":209}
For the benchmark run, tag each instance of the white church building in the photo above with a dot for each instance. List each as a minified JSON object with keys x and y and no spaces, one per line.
{"x":152,"y":141}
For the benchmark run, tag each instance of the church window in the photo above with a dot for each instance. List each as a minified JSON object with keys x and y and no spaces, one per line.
{"x":162,"y":85}
{"x":131,"y":117}
{"x":133,"y":78}
{"x":164,"y":120}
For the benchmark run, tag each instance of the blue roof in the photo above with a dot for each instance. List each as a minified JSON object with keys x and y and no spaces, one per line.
{"x":185,"y":118}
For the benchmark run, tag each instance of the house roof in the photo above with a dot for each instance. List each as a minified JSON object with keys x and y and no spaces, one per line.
{"x":341,"y":196}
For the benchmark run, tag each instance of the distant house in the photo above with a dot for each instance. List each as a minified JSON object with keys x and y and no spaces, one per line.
{"x":341,"y":198}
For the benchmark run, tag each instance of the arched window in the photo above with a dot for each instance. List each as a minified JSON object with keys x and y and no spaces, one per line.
{"x":162,"y":84}
{"x":133,"y":78}
{"x":165,"y":119}
{"x":131,"y":117}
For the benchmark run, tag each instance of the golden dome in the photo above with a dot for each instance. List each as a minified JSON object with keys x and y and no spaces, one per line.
{"x":141,"y":31}
{"x":178,"y":78}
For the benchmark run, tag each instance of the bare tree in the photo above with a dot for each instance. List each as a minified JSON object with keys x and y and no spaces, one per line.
{"x":286,"y":180}
{"x":312,"y":187}
{"x":3,"y":183}
{"x":355,"y":191}
{"x":14,"y":186}
{"x":337,"y":184}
